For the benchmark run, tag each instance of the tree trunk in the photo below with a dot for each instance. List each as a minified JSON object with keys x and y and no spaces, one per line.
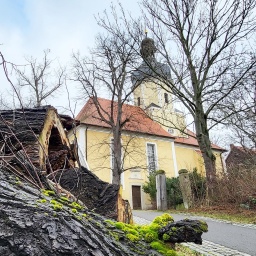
{"x":93,"y":192}
{"x":117,"y":153}
{"x":204,"y":143}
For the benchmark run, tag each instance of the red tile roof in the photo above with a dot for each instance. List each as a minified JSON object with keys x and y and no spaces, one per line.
{"x":240,"y":156}
{"x":192,"y":141}
{"x":138,"y":120}
{"x":244,"y":149}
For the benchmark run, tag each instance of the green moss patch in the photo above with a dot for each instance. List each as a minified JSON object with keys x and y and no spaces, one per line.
{"x":145,"y":233}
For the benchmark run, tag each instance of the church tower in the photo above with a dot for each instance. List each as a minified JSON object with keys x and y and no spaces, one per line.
{"x":152,"y":94}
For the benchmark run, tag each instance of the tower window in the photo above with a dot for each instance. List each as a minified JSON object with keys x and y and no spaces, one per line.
{"x":166,"y":98}
{"x":138,"y":101}
{"x":170,"y":130}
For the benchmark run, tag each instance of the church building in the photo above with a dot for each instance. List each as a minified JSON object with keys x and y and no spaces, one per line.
{"x":155,"y":136}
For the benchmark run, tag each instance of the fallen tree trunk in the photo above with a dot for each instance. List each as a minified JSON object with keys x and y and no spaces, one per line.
{"x":101,"y":197}
{"x":39,"y":133}
{"x":32,"y":223}
{"x":183,"y":231}
{"x":33,"y":143}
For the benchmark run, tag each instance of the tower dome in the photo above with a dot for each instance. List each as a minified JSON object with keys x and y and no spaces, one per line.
{"x":149,"y":68}
{"x":147,"y":48}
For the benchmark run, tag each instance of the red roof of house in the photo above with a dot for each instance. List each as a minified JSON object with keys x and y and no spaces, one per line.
{"x":244,"y":149}
{"x":240,"y":155}
{"x":138,"y":120}
{"x":192,"y":141}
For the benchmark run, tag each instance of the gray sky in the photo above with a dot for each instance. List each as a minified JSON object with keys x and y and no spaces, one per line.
{"x":28,"y":27}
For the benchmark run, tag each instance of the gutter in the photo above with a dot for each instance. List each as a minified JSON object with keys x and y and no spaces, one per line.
{"x":86,"y":142}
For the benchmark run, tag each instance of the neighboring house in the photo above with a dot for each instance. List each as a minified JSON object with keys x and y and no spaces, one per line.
{"x":240,"y":157}
{"x":149,"y":139}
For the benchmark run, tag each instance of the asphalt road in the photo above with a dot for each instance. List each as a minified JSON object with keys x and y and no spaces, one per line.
{"x":229,"y":235}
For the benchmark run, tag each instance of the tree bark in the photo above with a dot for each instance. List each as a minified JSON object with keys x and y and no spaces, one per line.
{"x":117,"y":152}
{"x":30,"y":226}
{"x":204,"y":143}
{"x":184,"y":231}
{"x":93,"y":192}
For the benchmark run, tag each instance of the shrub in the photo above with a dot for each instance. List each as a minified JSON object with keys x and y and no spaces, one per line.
{"x":237,"y":188}
{"x":174,"y":196}
{"x":150,"y":186}
{"x":198,"y":185}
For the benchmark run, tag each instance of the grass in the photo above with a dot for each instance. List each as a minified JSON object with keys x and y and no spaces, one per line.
{"x":226,"y":212}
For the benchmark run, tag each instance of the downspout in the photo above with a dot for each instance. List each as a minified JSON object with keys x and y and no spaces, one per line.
{"x":86,"y":143}
{"x":176,"y":173}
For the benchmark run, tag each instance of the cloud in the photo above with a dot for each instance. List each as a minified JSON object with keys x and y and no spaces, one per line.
{"x":64,"y":26}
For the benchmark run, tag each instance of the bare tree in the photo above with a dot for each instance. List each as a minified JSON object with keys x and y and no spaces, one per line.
{"x":42,"y":81}
{"x":3,"y":103}
{"x":108,"y":69}
{"x":205,"y":44}
{"x":243,"y":122}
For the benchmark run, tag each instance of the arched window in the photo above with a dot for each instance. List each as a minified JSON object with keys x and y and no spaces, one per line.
{"x":138,"y":101}
{"x":166,"y":98}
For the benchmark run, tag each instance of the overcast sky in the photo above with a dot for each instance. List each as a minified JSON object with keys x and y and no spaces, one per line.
{"x":28,"y":27}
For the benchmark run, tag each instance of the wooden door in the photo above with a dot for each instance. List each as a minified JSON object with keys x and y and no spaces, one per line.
{"x":136,"y":197}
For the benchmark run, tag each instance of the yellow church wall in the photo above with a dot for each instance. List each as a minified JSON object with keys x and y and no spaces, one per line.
{"x":188,"y":158}
{"x":135,"y":163}
{"x":136,"y":148}
{"x":151,"y":92}
{"x":169,"y":119}
{"x":148,"y":93}
{"x":98,"y":153}
{"x":135,"y":160}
